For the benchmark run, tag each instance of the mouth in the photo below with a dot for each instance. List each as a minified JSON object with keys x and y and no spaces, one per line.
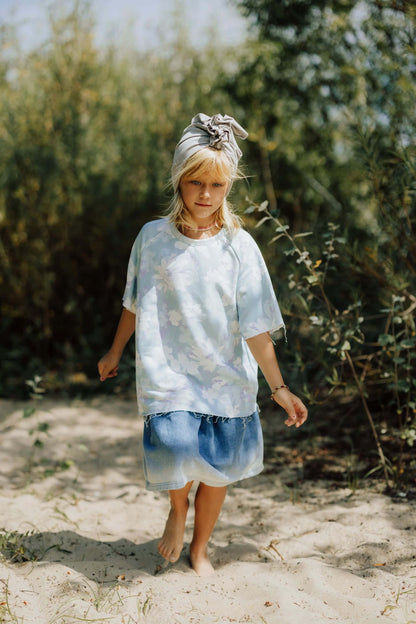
{"x":203,"y":205}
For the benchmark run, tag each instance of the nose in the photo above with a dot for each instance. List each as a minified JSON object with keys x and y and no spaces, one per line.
{"x":204,"y":190}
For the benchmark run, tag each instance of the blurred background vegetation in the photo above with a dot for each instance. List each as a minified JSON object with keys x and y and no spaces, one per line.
{"x":327,"y":92}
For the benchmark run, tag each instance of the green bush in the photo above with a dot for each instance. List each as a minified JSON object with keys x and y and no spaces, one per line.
{"x":86,"y":141}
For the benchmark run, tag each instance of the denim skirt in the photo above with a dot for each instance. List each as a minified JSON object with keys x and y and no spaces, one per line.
{"x":185,"y":446}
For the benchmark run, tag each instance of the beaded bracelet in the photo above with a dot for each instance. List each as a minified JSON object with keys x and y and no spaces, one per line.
{"x":278,"y":388}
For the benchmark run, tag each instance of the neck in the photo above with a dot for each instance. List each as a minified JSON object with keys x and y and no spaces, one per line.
{"x":200,"y":228}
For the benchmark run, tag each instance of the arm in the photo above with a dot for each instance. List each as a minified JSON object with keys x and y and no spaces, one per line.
{"x":108,"y":365}
{"x":262,"y":348}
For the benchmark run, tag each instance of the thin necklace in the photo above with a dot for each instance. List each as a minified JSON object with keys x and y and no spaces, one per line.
{"x":199,"y":229}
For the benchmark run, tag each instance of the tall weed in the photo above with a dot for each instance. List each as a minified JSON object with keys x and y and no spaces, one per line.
{"x":364,"y":341}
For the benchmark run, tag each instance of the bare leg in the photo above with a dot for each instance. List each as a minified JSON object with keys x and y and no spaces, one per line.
{"x":208,"y":503}
{"x":171,"y":543}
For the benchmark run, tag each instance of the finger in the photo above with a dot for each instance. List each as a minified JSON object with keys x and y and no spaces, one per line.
{"x":302,"y":416}
{"x":110,"y":374}
{"x":291,"y":419}
{"x":103,"y":374}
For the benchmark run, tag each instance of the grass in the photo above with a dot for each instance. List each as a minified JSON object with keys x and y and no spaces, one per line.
{"x":13,"y":546}
{"x":108,"y":604}
{"x":6,"y":613}
{"x":398,"y":596}
{"x":40,"y":431}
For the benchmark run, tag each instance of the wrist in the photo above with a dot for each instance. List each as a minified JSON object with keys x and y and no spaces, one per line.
{"x":277,"y":389}
{"x":116,"y":351}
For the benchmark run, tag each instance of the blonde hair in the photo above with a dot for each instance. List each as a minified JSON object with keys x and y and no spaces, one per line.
{"x":207,"y":161}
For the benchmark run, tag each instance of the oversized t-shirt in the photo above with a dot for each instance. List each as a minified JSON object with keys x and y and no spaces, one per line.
{"x":196,"y":302}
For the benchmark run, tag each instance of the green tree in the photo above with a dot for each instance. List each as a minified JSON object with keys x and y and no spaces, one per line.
{"x":86,"y":141}
{"x":334,"y":83}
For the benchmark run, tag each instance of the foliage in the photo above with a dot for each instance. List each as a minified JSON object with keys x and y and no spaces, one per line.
{"x":327,"y":91}
{"x":338,"y":331}
{"x":13,"y":546}
{"x":350,"y":287}
{"x":86,"y":139}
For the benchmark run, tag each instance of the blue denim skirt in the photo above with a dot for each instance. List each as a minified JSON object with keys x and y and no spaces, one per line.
{"x":186,"y":446}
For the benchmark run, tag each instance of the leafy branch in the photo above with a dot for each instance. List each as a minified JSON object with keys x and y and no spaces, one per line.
{"x":316,"y":273}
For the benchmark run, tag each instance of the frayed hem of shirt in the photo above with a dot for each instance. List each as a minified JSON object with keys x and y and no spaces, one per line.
{"x":278,"y":334}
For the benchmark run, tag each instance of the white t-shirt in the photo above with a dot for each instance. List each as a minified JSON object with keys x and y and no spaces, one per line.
{"x":196,"y":302}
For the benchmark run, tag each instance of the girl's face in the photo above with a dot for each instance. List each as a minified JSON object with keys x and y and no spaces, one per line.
{"x":202,"y":195}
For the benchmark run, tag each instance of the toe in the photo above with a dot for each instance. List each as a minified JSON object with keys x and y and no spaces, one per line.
{"x":175,"y":554}
{"x":162,"y":549}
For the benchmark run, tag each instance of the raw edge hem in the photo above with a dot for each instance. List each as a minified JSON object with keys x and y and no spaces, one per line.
{"x":159,"y":487}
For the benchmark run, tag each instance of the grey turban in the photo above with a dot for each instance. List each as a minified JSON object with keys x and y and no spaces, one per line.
{"x":217,"y":132}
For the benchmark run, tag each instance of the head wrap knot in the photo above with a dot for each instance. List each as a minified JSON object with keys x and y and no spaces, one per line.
{"x":217,"y":132}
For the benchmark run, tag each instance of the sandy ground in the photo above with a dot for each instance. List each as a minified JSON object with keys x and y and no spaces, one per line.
{"x":308,"y":554}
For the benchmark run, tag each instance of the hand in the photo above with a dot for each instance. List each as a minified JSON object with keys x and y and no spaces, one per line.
{"x":108,"y":366}
{"x":296,"y":410}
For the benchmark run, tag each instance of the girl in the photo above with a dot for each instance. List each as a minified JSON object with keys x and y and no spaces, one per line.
{"x":199,"y":297}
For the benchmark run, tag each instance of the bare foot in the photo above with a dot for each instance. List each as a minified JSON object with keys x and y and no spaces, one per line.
{"x":171,"y":543}
{"x":200,"y":562}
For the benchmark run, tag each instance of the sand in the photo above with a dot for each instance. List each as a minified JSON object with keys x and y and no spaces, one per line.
{"x":78,"y":510}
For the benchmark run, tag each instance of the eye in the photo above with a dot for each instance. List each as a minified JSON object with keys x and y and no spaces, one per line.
{"x":218,"y":184}
{"x":195,"y":182}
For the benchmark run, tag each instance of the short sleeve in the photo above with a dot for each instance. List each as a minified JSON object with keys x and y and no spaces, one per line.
{"x":257,"y":306}
{"x":130,"y":291}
